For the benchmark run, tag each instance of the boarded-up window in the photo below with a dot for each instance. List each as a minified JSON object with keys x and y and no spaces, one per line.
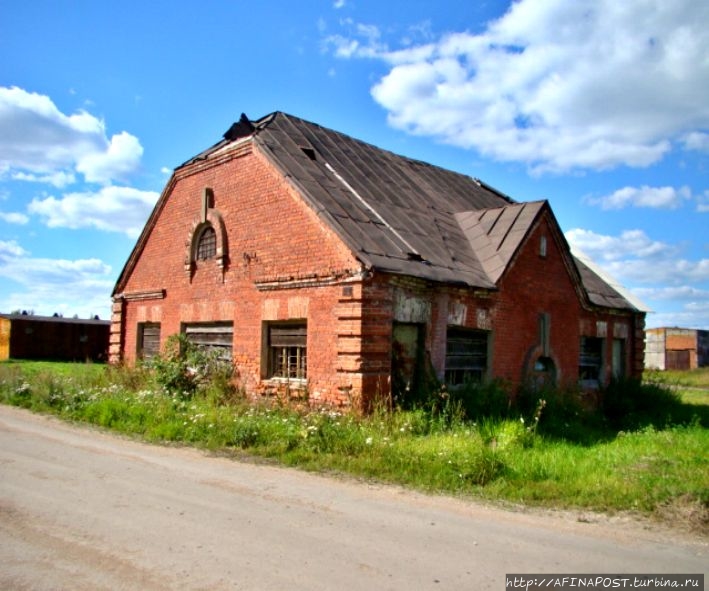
{"x":148,"y":339}
{"x":214,"y":335}
{"x":466,"y":355}
{"x":591,"y":361}
{"x":287,"y":350}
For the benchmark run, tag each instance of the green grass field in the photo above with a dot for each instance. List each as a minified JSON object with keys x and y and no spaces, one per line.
{"x":649,"y":456}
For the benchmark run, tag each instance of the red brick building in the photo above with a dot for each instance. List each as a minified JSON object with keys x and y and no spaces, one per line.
{"x":319,"y":262}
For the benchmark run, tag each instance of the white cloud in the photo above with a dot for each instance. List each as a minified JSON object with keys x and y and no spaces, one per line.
{"x":57,"y":179}
{"x":10,"y":249}
{"x":338,"y":4}
{"x":684,"y":293}
{"x":635,"y":259}
{"x":113,"y":209}
{"x":697,"y":140}
{"x":630,"y":243}
{"x":651,"y":197}
{"x":703,"y":202}
{"x":590,"y":84}
{"x":120,"y":158}
{"x":14,"y":218}
{"x":655,"y":272}
{"x":40,"y":143}
{"x":47,"y":285}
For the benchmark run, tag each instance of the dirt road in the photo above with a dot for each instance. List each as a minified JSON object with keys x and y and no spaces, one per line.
{"x":83,"y":510}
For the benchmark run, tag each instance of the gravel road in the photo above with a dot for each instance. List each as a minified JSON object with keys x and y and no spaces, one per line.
{"x":81,"y":509}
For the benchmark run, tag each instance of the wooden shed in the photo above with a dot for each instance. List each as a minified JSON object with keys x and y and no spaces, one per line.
{"x":25,"y":336}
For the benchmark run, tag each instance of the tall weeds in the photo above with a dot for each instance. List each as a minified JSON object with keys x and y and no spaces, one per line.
{"x":644,"y":448}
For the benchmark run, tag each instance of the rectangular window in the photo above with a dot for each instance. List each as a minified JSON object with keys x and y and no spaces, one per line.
{"x":466,"y":355}
{"x":287,"y":350}
{"x":212,"y":335}
{"x":591,"y":361}
{"x":148,"y":339}
{"x":618,"y":358}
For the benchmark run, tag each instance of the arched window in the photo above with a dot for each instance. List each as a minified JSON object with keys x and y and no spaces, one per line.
{"x":544,"y":373}
{"x":207,"y":244}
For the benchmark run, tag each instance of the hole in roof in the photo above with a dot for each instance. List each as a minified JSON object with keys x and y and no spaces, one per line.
{"x":414,"y":256}
{"x":309,"y":152}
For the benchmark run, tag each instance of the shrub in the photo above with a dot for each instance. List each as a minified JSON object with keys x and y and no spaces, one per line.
{"x":483,"y":399}
{"x":629,"y":404}
{"x":183,"y":368}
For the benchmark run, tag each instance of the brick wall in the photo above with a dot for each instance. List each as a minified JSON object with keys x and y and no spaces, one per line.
{"x":533,"y":286}
{"x":281,"y":262}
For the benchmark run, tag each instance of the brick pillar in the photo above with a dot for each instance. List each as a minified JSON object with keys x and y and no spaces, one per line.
{"x":117,"y":332}
{"x":638,"y":358}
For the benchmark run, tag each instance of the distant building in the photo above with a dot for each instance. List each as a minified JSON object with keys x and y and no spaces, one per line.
{"x":676,"y":348}
{"x":24,"y":336}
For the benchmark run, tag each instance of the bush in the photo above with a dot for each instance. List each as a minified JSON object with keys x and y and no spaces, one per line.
{"x":489,"y":399}
{"x":629,"y":404}
{"x":184,"y":368}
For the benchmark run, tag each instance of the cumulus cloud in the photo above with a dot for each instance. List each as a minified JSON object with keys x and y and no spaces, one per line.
{"x":120,"y":158}
{"x":113,"y":209}
{"x":46,"y":285}
{"x":557,"y":85}
{"x":650,"y":197}
{"x":59,"y":179}
{"x":40,"y":143}
{"x":10,"y":249}
{"x":14,"y":218}
{"x":656,"y":272}
{"x":696,"y":140}
{"x":630,"y":243}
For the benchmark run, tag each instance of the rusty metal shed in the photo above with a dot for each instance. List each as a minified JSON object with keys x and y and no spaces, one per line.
{"x":676,"y":348}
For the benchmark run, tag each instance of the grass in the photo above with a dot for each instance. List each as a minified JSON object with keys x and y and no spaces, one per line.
{"x":694,"y":378}
{"x":647,"y":452}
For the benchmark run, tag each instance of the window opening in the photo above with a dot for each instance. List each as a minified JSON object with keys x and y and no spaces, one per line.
{"x":207,"y":245}
{"x":591,"y":361}
{"x":618,"y":358}
{"x":543,"y":373}
{"x":407,"y":363}
{"x":148,"y":339}
{"x":216,"y":336}
{"x":466,"y":356}
{"x":288,"y":353}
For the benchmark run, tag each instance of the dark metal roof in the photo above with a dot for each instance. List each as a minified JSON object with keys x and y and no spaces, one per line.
{"x":395,"y":213}
{"x":401,"y":215}
{"x":600,"y":292}
{"x":57,"y":319}
{"x":495,"y":234}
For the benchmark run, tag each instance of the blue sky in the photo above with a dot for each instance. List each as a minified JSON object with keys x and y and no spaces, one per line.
{"x":599,"y":106}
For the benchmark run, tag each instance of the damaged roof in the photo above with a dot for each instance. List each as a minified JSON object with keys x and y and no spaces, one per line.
{"x":401,"y":215}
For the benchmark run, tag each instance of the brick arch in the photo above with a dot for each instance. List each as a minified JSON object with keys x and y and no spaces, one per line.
{"x":535,"y":354}
{"x":214,"y":219}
